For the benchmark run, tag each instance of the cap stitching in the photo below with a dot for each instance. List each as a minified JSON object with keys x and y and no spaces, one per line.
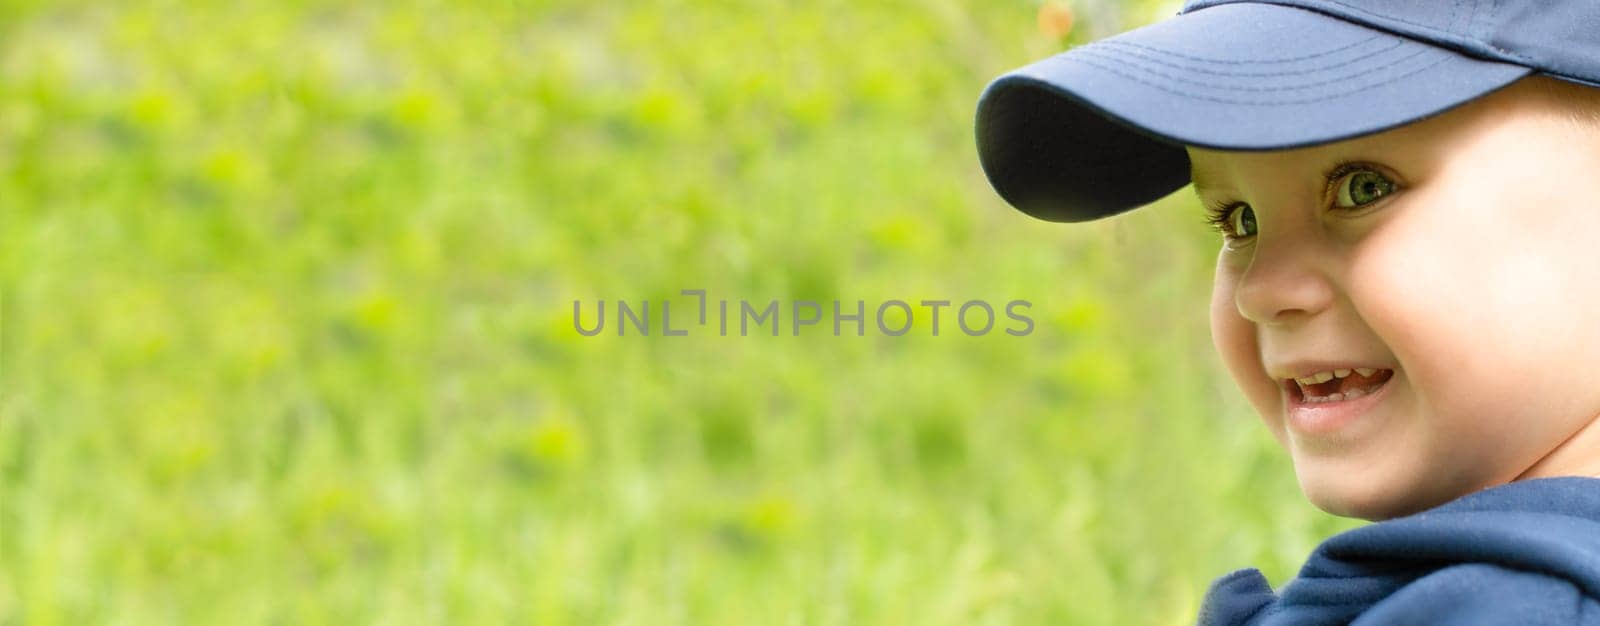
{"x":1233,"y":62}
{"x":1335,"y":96}
{"x":1302,"y":87}
{"x":1303,"y":71}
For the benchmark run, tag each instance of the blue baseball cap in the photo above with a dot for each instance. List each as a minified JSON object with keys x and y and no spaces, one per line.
{"x":1101,"y":128}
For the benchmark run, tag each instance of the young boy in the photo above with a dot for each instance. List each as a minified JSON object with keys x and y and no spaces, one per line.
{"x":1408,"y":287}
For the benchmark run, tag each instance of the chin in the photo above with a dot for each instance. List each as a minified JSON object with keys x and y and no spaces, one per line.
{"x":1351,"y":494}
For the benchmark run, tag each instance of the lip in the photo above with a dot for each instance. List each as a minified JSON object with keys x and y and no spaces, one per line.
{"x":1325,"y":419}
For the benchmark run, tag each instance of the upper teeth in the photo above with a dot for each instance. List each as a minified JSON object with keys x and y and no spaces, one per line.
{"x":1322,"y":377}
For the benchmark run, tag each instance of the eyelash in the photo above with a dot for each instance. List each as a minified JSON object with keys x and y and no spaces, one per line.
{"x":1219,"y":212}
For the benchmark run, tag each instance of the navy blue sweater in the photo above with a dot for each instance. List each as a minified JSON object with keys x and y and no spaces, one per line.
{"x":1525,"y":553}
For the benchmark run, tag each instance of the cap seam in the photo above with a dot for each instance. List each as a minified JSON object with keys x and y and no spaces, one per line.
{"x":1310,"y":70}
{"x":1287,"y":88}
{"x":1232,"y":62}
{"x":1167,"y":89}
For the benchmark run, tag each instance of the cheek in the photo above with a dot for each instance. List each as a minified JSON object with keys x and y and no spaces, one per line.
{"x":1235,"y":341}
{"x":1421,"y":283}
{"x":1414,"y":290}
{"x":1490,"y":311}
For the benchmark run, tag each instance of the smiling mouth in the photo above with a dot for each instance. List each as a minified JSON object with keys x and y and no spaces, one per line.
{"x":1336,"y":385}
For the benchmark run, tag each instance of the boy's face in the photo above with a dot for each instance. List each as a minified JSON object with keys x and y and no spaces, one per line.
{"x":1452,"y":267}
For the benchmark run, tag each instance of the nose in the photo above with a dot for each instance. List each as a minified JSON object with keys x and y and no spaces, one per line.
{"x":1283,"y":281}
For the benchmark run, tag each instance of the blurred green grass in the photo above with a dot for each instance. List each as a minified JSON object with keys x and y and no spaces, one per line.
{"x":286,"y":334}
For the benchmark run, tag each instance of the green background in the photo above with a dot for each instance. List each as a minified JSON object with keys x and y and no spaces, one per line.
{"x":286,"y":327}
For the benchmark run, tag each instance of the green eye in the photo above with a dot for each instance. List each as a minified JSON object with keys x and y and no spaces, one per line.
{"x":1243,"y":221}
{"x":1234,"y":221}
{"x":1362,"y":187}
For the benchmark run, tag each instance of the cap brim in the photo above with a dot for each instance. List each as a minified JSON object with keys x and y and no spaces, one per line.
{"x":1101,"y":128}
